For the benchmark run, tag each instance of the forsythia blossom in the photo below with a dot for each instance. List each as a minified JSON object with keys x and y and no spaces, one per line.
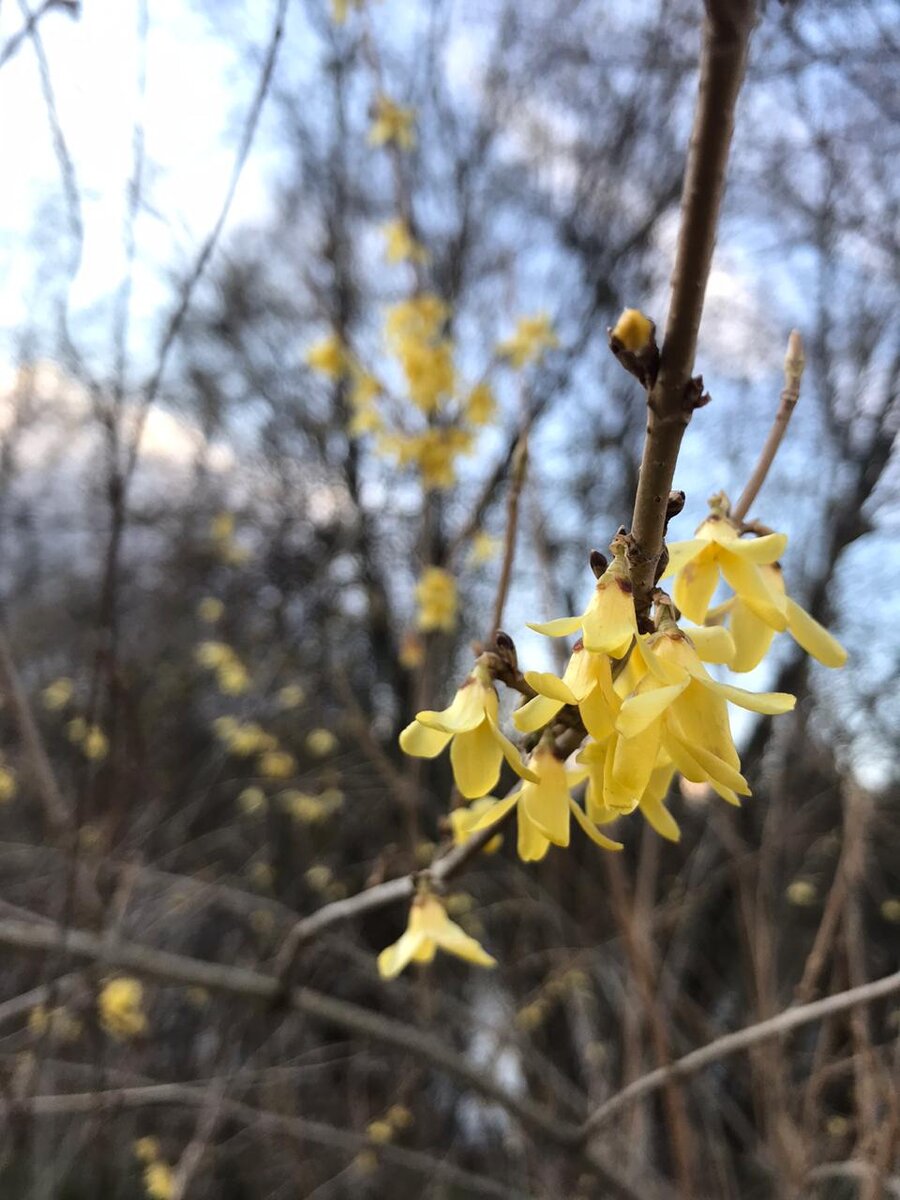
{"x":400,"y":245}
{"x":532,"y":337}
{"x":121,"y":1014}
{"x":609,"y":623}
{"x":429,"y":930}
{"x":392,"y":124}
{"x":436,"y":596}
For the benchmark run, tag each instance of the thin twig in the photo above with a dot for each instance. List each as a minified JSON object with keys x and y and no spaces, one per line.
{"x":793,"y":373}
{"x":726,"y":34}
{"x":519,"y":469}
{"x":742,"y":1039}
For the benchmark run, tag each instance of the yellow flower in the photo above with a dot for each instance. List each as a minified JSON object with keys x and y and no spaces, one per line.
{"x":464,"y":819}
{"x":423,"y":317}
{"x":401,"y":246}
{"x":429,"y":371}
{"x":801,"y":893}
{"x":412,"y":652}
{"x":252,"y":801}
{"x":481,"y":405}
{"x":392,"y":124}
{"x":469,"y":725}
{"x":716,"y":547}
{"x":532,"y":337}
{"x":587,"y":683}
{"x":651,"y":803}
{"x":320,"y":742}
{"x":544,"y":807}
{"x":430,"y":929}
{"x":752,"y":628}
{"x":7,"y":785}
{"x":436,"y":596}
{"x":262,"y":874}
{"x":213,"y":655}
{"x":146,"y":1149}
{"x":890,"y":909}
{"x":159,"y":1181}
{"x":633,"y":330}
{"x":399,"y":1116}
{"x":120,"y":1003}
{"x":291,"y":695}
{"x":76,"y":730}
{"x":277,"y":764}
{"x":58,"y":1022}
{"x":210,"y":609}
{"x":328,"y":356}
{"x":56,"y":695}
{"x":95,"y":744}
{"x":249,"y":738}
{"x":221,"y":527}
{"x":484,"y":547}
{"x":609,"y":622}
{"x":318,"y":877}
{"x":232,"y":678}
{"x":379,"y":1132}
{"x":677,"y":707}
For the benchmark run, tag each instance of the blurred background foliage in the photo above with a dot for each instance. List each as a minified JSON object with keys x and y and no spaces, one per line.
{"x":231,"y":599}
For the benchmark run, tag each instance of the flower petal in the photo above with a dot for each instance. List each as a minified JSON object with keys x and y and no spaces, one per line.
{"x":591,"y":830}
{"x":456,"y":941}
{"x":536,"y":713}
{"x":510,"y":753}
{"x":813,"y":637}
{"x":752,"y":637}
{"x":747,"y":581}
{"x":770,"y":703}
{"x":476,"y":757}
{"x":610,"y":623}
{"x":495,"y":813}
{"x":546,"y":803}
{"x":421,"y":742}
{"x":713,"y":643}
{"x":760,"y":550}
{"x":532,"y":845}
{"x":680,"y":554}
{"x":694,"y":588}
{"x":561,"y":627}
{"x":547,"y":684}
{"x":644,"y":707}
{"x":467,"y":710}
{"x":393,"y":959}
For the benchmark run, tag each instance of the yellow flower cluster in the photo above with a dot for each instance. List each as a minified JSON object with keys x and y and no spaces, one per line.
{"x":392,"y":124}
{"x":93,"y":741}
{"x":231,"y":674}
{"x":159,"y":1178}
{"x":121,"y":1012}
{"x":58,"y":694}
{"x":437,"y":600}
{"x":307,"y":809}
{"x":221,"y":532}
{"x":533,"y":336}
{"x":400,"y":245}
{"x":57,"y":1023}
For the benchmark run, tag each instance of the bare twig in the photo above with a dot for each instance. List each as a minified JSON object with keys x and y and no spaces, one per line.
{"x":726,"y":35}
{"x":742,"y":1039}
{"x":519,"y":469}
{"x":793,"y":373}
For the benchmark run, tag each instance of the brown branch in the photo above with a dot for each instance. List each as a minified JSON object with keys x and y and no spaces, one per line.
{"x":743,"y":1039}
{"x":726,"y":35}
{"x":794,"y":363}
{"x":519,"y":469}
{"x":254,"y":986}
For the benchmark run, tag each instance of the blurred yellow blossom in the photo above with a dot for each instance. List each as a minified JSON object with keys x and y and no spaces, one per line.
{"x":59,"y":1023}
{"x":481,"y":405}
{"x":464,"y":819}
{"x":890,"y":909}
{"x":291,"y":695}
{"x":232,"y":678}
{"x":399,"y":1116}
{"x":802,"y":893}
{"x":318,"y":877}
{"x":76,"y":730}
{"x":262,"y":874}
{"x":429,"y":371}
{"x":328,"y":356}
{"x":320,"y":742}
{"x":437,"y":599}
{"x":400,"y":245}
{"x":392,"y":123}
{"x":213,"y":655}
{"x":340,"y":9}
{"x":221,"y":527}
{"x":484,"y":547}
{"x":210,"y":609}
{"x":8,"y":784}
{"x":56,"y":695}
{"x":146,"y":1149}
{"x":248,"y":738}
{"x":159,"y":1181}
{"x":252,"y":801}
{"x":120,"y":1003}
{"x":412,"y":652}
{"x":379,"y":1132}
{"x":95,"y":743}
{"x":421,"y":318}
{"x":532,"y":337}
{"x":277,"y":764}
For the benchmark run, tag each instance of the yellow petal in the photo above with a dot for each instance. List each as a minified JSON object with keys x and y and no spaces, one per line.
{"x":813,"y":637}
{"x":422,"y":742}
{"x":546,"y":684}
{"x":713,"y":643}
{"x":475,"y":757}
{"x":707,"y":767}
{"x":590,"y":829}
{"x":680,"y":554}
{"x":694,"y":588}
{"x":659,"y":818}
{"x":609,"y":623}
{"x":466,"y":712}
{"x":393,"y":959}
{"x":546,"y":803}
{"x":495,"y":813}
{"x":752,"y":637}
{"x":641,"y":709}
{"x":759,"y":550}
{"x":700,"y":718}
{"x":561,"y":627}
{"x":747,"y":581}
{"x":632,"y":766}
{"x":509,"y":752}
{"x":691,"y":769}
{"x":770,"y":703}
{"x":456,"y":941}
{"x":536,"y":713}
{"x":597,"y":714}
{"x":532,"y":845}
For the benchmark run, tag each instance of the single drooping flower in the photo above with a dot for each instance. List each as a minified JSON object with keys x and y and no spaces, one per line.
{"x":532,"y":337}
{"x":56,"y":695}
{"x":544,"y":807}
{"x":587,"y":683}
{"x":392,"y":123}
{"x":680,"y":709}
{"x":609,"y":622}
{"x":430,"y":930}
{"x":716,"y":548}
{"x":464,"y":819}
{"x":752,"y":628}
{"x":400,"y":245}
{"x":437,"y":599}
{"x":469,"y":726}
{"x":121,"y":1012}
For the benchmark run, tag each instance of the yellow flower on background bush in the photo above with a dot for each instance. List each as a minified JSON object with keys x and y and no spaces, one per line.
{"x":532,"y":337}
{"x":752,"y":628}
{"x":484,"y":547}
{"x":392,"y":123}
{"x":651,"y":802}
{"x":430,"y":930}
{"x":437,"y":600}
{"x":481,"y":406}
{"x":469,"y":726}
{"x":146,"y":1149}
{"x":120,"y":1004}
{"x":328,"y":356}
{"x":717,"y":548}
{"x":210,"y":609}
{"x":423,"y":317}
{"x":95,"y":743}
{"x":320,"y":742}
{"x":429,"y":371}
{"x":291,"y":695}
{"x":159,"y":1181}
{"x":56,"y":695}
{"x":277,"y":764}
{"x":544,"y":807}
{"x":8,"y":785}
{"x":608,"y":623}
{"x":400,"y":245}
{"x":464,"y":819}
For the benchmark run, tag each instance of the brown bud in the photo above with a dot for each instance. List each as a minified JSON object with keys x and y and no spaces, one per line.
{"x":599,"y":563}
